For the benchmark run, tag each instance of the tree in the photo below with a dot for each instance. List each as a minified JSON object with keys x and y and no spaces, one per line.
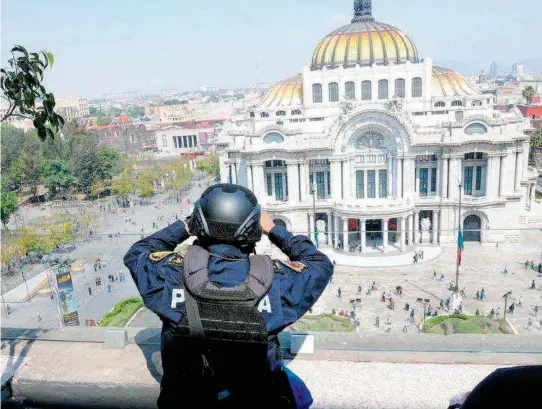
{"x":109,"y":164}
{"x":56,"y":174}
{"x":209,"y":165}
{"x":536,"y":147}
{"x":21,"y":84}
{"x":114,"y":112}
{"x":136,"y":111}
{"x":9,"y":204}
{"x":172,"y":102}
{"x":103,"y":121}
{"x":529,"y":93}
{"x":92,"y":111}
{"x":31,"y":160}
{"x":85,"y":158}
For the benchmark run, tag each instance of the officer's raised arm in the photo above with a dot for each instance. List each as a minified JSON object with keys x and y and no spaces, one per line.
{"x":153,"y":284}
{"x":316,"y":269}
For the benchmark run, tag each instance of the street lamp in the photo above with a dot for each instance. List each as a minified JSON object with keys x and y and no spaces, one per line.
{"x":505,"y":296}
{"x":313,"y":192}
{"x":456,"y":289}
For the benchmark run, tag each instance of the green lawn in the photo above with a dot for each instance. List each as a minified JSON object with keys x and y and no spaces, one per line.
{"x":465,"y":324}
{"x":323,"y":323}
{"x":121,"y":313}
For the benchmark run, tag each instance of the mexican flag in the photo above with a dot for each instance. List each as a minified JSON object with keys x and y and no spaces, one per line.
{"x":460,"y":245}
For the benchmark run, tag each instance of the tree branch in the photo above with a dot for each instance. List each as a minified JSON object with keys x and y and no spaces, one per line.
{"x":9,"y":112}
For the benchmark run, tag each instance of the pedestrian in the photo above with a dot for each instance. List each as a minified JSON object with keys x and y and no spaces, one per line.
{"x":532,"y":265}
{"x":108,"y":288}
{"x":526,"y":264}
{"x":434,"y":274}
{"x":383,"y":298}
{"x":377,"y":322}
{"x":405,"y":328}
{"x":478,"y":295}
{"x":90,"y":291}
{"x":529,"y":324}
{"x":492,"y":313}
{"x":477,"y":312}
{"x":441,"y":304}
{"x":359,"y":289}
{"x":533,"y":285}
{"x":482,"y":294}
{"x":334,"y":311}
{"x":412,"y":315}
{"x":520,"y":301}
{"x":388,"y":320}
{"x":539,"y":268}
{"x":39,"y":316}
{"x":339,"y":292}
{"x":373,"y":288}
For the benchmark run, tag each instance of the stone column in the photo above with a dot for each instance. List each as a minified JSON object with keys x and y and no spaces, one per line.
{"x":335,"y":169}
{"x":385,"y":235}
{"x":444,"y":177}
{"x":508,"y":182}
{"x":408,"y":176}
{"x":311,"y":227}
{"x":416,"y":238}
{"x":390,"y":176}
{"x":363,"y":224}
{"x":352,"y":179}
{"x":399,"y":177}
{"x":411,"y":229}
{"x":439,"y":167}
{"x":402,"y":221}
{"x":345,"y":233}
{"x":250,"y":182}
{"x":304,"y":178}
{"x":293,"y":182}
{"x":346,"y":178}
{"x":337,"y":229}
{"x":329,"y":231}
{"x":436,"y":226}
{"x":501,"y":179}
{"x":492,"y":177}
{"x":259,"y":183}
{"x":519,"y":175}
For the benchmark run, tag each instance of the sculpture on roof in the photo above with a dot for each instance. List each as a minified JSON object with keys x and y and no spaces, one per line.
{"x":363,"y":10}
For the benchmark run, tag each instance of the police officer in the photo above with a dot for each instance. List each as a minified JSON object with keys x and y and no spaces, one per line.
{"x":227,"y":222}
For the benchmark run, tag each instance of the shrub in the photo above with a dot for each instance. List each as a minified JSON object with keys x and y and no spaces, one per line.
{"x":122,"y":312}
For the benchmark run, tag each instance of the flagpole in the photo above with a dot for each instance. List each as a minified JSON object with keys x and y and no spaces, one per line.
{"x":458,"y":247}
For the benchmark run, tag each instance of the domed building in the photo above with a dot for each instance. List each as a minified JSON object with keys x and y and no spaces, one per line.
{"x":369,"y":144}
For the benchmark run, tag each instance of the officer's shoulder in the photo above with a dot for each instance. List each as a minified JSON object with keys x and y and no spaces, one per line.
{"x":282,"y":265}
{"x":169,"y":256}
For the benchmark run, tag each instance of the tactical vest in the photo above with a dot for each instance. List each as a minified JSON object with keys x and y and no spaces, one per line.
{"x":224,"y":339}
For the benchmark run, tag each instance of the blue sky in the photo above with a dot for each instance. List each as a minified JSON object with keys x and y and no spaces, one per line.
{"x":105,"y":46}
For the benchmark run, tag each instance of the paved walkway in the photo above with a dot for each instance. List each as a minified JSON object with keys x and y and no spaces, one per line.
{"x":378,"y":260}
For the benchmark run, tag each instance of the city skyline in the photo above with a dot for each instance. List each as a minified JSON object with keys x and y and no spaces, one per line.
{"x":145,"y":49}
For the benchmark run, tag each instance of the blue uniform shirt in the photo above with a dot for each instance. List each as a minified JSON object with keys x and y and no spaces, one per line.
{"x":292,"y":293}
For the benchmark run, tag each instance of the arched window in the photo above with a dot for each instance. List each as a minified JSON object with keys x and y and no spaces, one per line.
{"x":350,"y":90}
{"x":366,"y":91}
{"x":457,"y":103}
{"x":476,"y":103}
{"x":440,"y":104}
{"x":416,"y":87}
{"x":476,"y":129}
{"x":296,"y":112}
{"x":383,"y":89}
{"x":252,"y":114}
{"x":273,"y":137}
{"x":400,"y":87}
{"x":317,"y":93}
{"x":333,"y":92}
{"x":264,"y":115}
{"x":281,"y":113}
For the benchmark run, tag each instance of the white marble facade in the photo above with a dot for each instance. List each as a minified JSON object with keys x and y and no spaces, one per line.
{"x":385,"y":146}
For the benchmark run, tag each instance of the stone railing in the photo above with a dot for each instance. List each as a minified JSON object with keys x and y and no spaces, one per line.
{"x":376,"y":205}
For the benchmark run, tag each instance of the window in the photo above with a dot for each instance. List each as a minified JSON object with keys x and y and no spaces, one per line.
{"x":252,"y":114}
{"x":296,"y":112}
{"x":477,"y":103}
{"x":478,"y":178}
{"x":185,"y":142}
{"x":416,"y":87}
{"x":333,"y":92}
{"x":316,"y":93}
{"x":476,"y":129}
{"x":164,"y":140}
{"x":458,"y":116}
{"x":132,"y":138}
{"x":457,"y":103}
{"x":195,"y":140}
{"x":189,"y":137}
{"x":433,"y":179}
{"x":366,"y":91}
{"x":468,"y":180}
{"x":440,"y":104}
{"x":176,"y":142}
{"x":383,"y":89}
{"x":329,"y":183}
{"x":360,"y":184}
{"x":279,"y":194}
{"x":320,"y":185}
{"x":383,"y":183}
{"x":286,"y":183}
{"x":350,"y":90}
{"x":264,"y":115}
{"x":281,"y":113}
{"x":479,"y":155}
{"x":400,"y":87}
{"x":371,"y":184}
{"x":273,"y":137}
{"x":311,"y":182}
{"x":316,"y":119}
{"x":423,"y":181}
{"x":269,"y":184}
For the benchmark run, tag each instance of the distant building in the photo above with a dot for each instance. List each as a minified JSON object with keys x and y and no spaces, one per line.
{"x":190,"y":112}
{"x":493,"y":70}
{"x":124,"y":120}
{"x":186,"y":137}
{"x":170,"y":93}
{"x":131,"y":139}
{"x":72,"y":107}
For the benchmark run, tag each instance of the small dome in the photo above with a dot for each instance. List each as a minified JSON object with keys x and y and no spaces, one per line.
{"x":448,"y":83}
{"x":364,"y":42}
{"x":288,"y":92}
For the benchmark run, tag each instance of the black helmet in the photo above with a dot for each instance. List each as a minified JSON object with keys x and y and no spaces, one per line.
{"x":228,"y":213}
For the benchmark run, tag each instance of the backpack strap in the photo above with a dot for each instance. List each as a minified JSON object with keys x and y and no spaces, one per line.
{"x":196,"y":262}
{"x":260,"y":276}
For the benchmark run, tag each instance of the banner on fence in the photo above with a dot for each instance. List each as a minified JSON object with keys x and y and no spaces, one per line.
{"x":66,"y":298}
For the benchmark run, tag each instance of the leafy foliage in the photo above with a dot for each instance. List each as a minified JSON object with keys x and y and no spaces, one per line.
{"x":464,"y":324}
{"x":172,"y":102}
{"x":103,"y":121}
{"x":21,"y":83}
{"x":323,"y":323}
{"x":209,"y":165}
{"x":56,"y":175}
{"x":122,"y":312}
{"x":9,"y":204}
{"x":529,"y":93}
{"x":536,"y":147}
{"x":136,"y":111}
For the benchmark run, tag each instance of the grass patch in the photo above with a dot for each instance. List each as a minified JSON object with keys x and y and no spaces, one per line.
{"x":323,"y":323}
{"x":465,"y":324}
{"x":121,"y":313}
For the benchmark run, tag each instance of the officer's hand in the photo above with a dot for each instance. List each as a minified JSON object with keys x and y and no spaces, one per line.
{"x":266,"y":222}
{"x":186,"y":224}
